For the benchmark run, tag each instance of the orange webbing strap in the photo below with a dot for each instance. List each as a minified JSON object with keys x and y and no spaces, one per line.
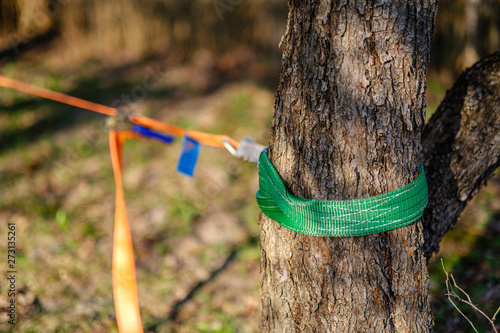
{"x":55,"y":96}
{"x":207,"y":139}
{"x":204,"y":138}
{"x":156,"y":125}
{"x":125,"y":292}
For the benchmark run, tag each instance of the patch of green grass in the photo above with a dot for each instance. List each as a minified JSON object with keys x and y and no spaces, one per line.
{"x":250,"y":252}
{"x":219,"y":324}
{"x":61,"y":219}
{"x":435,"y":93}
{"x":89,"y":229}
{"x":53,"y":81}
{"x":183,"y":209}
{"x":188,"y":122}
{"x":239,"y":109}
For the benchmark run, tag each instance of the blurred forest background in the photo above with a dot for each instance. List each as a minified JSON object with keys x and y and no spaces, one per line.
{"x":210,"y":65}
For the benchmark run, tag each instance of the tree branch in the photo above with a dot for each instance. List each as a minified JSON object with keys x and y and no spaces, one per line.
{"x":451,"y":293}
{"x":461,"y":147}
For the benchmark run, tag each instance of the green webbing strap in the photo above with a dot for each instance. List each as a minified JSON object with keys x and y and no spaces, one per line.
{"x":339,"y":218}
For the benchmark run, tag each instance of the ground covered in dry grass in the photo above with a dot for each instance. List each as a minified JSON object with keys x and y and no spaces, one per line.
{"x":195,"y":239}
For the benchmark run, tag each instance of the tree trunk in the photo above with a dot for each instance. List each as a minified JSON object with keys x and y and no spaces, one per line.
{"x":9,"y":16}
{"x":348,"y":119}
{"x":465,"y":29}
{"x":461,"y":147}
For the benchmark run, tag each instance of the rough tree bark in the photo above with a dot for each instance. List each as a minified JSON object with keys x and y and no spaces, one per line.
{"x":461,"y":147}
{"x":348,"y":118}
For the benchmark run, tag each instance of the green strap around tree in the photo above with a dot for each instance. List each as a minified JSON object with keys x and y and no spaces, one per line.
{"x":339,"y":218}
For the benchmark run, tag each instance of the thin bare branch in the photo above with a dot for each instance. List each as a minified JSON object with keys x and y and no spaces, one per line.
{"x":495,"y":315}
{"x":463,"y":291}
{"x":451,"y":293}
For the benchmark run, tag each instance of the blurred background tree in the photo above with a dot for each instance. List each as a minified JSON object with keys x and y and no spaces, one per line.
{"x":9,"y":16}
{"x":121,"y":31}
{"x":466,"y":30}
